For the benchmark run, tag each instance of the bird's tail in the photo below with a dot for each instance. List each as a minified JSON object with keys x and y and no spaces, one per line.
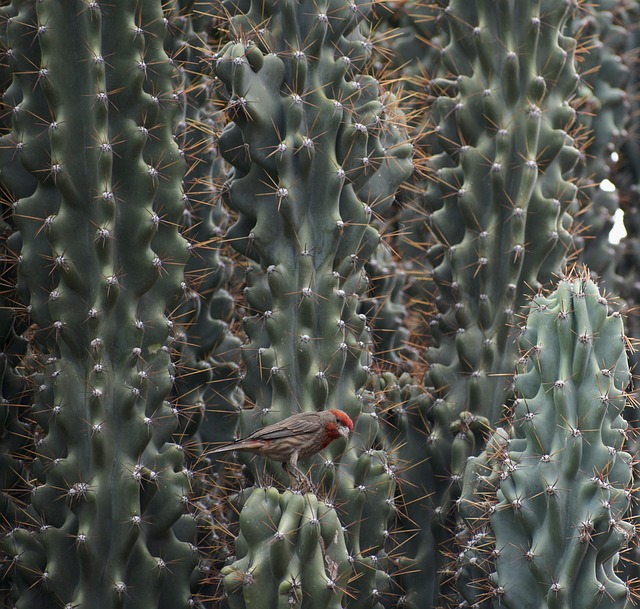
{"x":238,"y":445}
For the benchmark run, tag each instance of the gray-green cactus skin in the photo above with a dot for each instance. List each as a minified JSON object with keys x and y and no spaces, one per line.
{"x":547,"y":502}
{"x":291,"y":552}
{"x":93,"y":103}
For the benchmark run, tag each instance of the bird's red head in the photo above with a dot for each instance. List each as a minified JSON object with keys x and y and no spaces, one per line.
{"x":343,"y":417}
{"x":337,"y":424}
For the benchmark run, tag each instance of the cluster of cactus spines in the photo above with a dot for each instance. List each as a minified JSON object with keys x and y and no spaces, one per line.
{"x":603,"y":117}
{"x":553,"y":490}
{"x":93,"y":102}
{"x":291,"y":552}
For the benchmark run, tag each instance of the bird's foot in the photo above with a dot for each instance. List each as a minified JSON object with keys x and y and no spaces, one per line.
{"x":303,"y":485}
{"x":298,"y":481}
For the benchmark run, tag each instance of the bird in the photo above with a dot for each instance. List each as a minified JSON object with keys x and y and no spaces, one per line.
{"x":297,"y":437}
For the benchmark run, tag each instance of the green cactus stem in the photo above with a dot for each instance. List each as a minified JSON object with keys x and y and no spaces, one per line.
{"x":318,"y":150}
{"x":603,"y":117}
{"x":94,"y":102}
{"x":291,"y":552}
{"x":553,"y":491}
{"x":496,"y":210}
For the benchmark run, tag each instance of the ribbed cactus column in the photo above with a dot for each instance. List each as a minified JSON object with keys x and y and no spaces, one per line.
{"x":555,"y":488}
{"x":496,"y":211}
{"x":317,"y":149}
{"x":16,"y":388}
{"x":102,"y":259}
{"x":502,"y":186}
{"x":310,"y":169}
{"x":208,"y":353}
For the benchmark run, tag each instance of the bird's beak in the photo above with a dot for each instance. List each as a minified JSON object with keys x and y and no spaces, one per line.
{"x":343,"y":430}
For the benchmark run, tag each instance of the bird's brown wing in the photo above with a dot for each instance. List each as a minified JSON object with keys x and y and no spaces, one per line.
{"x":296,"y":425}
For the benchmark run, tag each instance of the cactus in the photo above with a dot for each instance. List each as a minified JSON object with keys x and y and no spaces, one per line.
{"x":102,"y":261}
{"x":500,"y":184}
{"x":554,"y":489}
{"x":318,"y":151}
{"x":626,"y":176}
{"x":291,"y":552}
{"x":386,"y":309}
{"x":16,"y":443}
{"x":315,"y":153}
{"x":207,"y":364}
{"x":518,"y":158}
{"x":209,"y":226}
{"x":419,"y":22}
{"x":603,"y":117}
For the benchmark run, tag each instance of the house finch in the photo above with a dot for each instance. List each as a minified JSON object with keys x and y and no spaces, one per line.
{"x":296,"y":437}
